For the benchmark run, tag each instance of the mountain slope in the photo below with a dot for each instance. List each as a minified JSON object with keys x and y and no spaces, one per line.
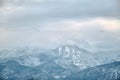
{"x":76,"y":56}
{"x":104,"y":72}
{"x":55,"y":64}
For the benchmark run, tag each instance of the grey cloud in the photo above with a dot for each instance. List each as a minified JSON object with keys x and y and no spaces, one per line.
{"x":58,"y":10}
{"x":37,"y":15}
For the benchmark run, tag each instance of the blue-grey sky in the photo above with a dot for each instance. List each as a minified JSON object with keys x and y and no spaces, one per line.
{"x":92,"y":24}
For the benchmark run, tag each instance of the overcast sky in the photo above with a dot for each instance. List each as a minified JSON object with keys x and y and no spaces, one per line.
{"x":92,"y":24}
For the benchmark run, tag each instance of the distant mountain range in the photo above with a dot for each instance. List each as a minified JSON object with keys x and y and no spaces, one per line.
{"x":104,"y":72}
{"x":68,"y":62}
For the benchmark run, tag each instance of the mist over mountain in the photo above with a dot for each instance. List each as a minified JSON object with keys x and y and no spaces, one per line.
{"x":59,"y":63}
{"x":59,"y":40}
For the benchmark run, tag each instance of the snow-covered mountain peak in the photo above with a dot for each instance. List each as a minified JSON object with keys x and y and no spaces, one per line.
{"x":69,"y":49}
{"x":69,"y":54}
{"x":77,"y":56}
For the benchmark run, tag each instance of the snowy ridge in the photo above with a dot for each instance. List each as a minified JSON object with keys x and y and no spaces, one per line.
{"x":29,"y":61}
{"x":55,"y":64}
{"x":77,"y":56}
{"x":109,"y":71}
{"x":67,"y":55}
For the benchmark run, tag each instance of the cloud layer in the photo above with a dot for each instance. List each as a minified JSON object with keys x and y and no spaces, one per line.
{"x":92,"y":24}
{"x":31,"y":12}
{"x":97,"y":33}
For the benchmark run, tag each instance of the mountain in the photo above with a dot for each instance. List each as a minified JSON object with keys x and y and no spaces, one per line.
{"x":108,"y":56}
{"x":117,"y":58}
{"x":76,"y":56}
{"x":13,"y":70}
{"x":103,"y":72}
{"x":67,"y":54}
{"x":67,"y":62}
{"x":54,"y":64}
{"x":9,"y":53}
